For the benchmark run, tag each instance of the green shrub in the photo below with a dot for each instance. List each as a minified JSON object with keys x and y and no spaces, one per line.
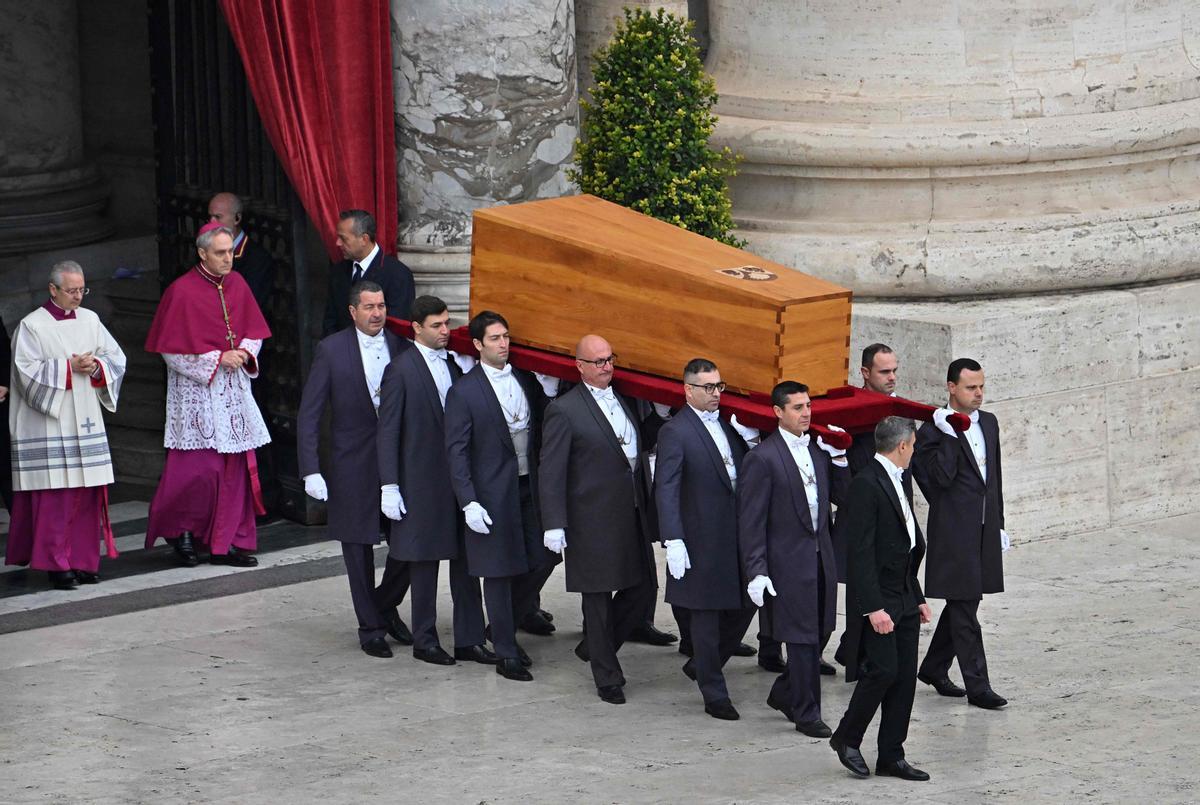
{"x":646,"y":128}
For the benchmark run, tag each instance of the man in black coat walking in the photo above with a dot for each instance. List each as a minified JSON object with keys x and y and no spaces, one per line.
{"x":417,"y":496}
{"x":345,"y":376}
{"x":695,"y":479}
{"x":493,"y":433}
{"x":884,"y":605}
{"x":596,"y":507}
{"x":960,"y":476}
{"x":363,"y":260}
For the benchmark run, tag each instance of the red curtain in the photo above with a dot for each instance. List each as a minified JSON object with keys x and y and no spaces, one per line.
{"x":321,"y":76}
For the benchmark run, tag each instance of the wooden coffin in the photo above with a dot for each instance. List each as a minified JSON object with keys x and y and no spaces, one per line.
{"x":561,"y":268}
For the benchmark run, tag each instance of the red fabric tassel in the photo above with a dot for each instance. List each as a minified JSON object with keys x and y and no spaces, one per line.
{"x":110,"y":544}
{"x":255,"y":486}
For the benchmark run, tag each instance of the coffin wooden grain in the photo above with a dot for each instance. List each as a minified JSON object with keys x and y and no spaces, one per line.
{"x":561,"y":268}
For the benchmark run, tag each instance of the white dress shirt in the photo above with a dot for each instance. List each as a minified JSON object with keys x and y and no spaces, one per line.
{"x":375,"y":358}
{"x":974,"y":436}
{"x":896,"y":474}
{"x":624,"y":429}
{"x":510,"y":395}
{"x":360,"y":266}
{"x":798,"y":445}
{"x":435,"y":359}
{"x":712,"y":423}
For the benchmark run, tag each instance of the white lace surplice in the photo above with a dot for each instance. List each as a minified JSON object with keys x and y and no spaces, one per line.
{"x":210,"y":408}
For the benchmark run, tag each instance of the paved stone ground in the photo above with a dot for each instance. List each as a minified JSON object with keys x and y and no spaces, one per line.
{"x":265,"y":697}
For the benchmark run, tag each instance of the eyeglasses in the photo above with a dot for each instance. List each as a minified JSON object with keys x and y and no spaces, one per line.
{"x":600,"y":363}
{"x":74,"y":291}
{"x":709,"y":388}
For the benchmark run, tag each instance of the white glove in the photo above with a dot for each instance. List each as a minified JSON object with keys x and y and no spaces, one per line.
{"x":663,"y":411}
{"x":549,"y":384}
{"x":555,"y":539}
{"x":465,"y":362}
{"x":390,"y":502}
{"x":477,"y":518}
{"x":755,"y":589}
{"x":939,"y":419}
{"x":314,"y":486}
{"x":748,"y":433}
{"x":1004,"y":542}
{"x":678,"y":561}
{"x":834,"y":452}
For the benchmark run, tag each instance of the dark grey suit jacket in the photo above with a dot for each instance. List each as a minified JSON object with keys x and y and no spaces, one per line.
{"x":412,"y":454}
{"x":697,"y":504}
{"x":337,"y":380}
{"x":778,"y":538}
{"x":389,"y":273}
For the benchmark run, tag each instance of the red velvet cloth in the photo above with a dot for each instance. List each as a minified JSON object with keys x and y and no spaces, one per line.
{"x":189,"y":320}
{"x":321,"y":77}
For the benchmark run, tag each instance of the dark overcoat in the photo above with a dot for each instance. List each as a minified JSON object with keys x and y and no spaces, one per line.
{"x":965,"y":513}
{"x":412,"y":454}
{"x":483,"y":468}
{"x":337,"y":380}
{"x":778,"y":539}
{"x":882,"y":567}
{"x":860,"y":455}
{"x":387,"y":272}
{"x":697,"y":503}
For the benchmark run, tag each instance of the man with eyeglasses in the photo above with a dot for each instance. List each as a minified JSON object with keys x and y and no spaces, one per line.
{"x":66,"y":368}
{"x":695,"y":483}
{"x":596,"y":510}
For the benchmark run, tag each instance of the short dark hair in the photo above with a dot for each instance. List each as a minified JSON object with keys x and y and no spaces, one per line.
{"x":361,"y":287}
{"x":425,"y":306}
{"x":484,"y":319}
{"x":781,"y":392}
{"x":364,"y":222}
{"x":956,"y":368}
{"x":869,"y":353}
{"x":892,"y":431}
{"x":697,"y":366}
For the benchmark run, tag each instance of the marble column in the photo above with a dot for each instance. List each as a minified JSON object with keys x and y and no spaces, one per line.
{"x":1016,"y":182}
{"x":485,"y":114}
{"x":49,"y":198}
{"x":596,"y":21}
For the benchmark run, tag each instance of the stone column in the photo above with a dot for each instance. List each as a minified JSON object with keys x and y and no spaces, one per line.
{"x":596,"y":21}
{"x":485,"y":114}
{"x":48,"y":197}
{"x":996,"y":179}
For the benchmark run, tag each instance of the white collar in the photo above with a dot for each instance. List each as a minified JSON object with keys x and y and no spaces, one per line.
{"x":974,"y":415}
{"x":705,"y":416}
{"x":497,"y":374}
{"x":363,"y":338}
{"x":793,"y":441}
{"x":367,"y":261}
{"x":601,"y":394}
{"x":890,"y":466}
{"x":430,"y":354}
{"x":238,"y":240}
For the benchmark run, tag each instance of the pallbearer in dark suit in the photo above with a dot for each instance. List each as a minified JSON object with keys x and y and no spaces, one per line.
{"x":346,"y":375}
{"x":364,"y":260}
{"x":884,"y":605}
{"x":695,"y":479}
{"x":959,"y":473}
{"x":785,"y":491}
{"x":416,"y":492}
{"x":595,"y":506}
{"x":493,"y":424}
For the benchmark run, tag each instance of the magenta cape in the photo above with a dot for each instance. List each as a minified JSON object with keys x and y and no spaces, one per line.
{"x":189,"y":319}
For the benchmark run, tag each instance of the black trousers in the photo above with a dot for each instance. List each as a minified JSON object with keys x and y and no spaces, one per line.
{"x":800,"y":684}
{"x":498,"y":595}
{"x":714,"y":633}
{"x":394,"y":584}
{"x":958,"y":634}
{"x":464,"y":592}
{"x":768,"y":647}
{"x":609,"y":618}
{"x":887,"y":681}
{"x":360,"y":572}
{"x":527,"y":588}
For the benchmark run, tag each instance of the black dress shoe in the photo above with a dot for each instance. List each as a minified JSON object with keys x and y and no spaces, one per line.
{"x":185,"y":551}
{"x":234,"y":558}
{"x":775,"y":665}
{"x":685,"y":648}
{"x":514,"y":670}
{"x":611,"y":694}
{"x":827,"y":669}
{"x":526,"y":660}
{"x":479,"y":654}
{"x":581,"y":651}
{"x":900,"y":768}
{"x":943,"y":686}
{"x":63,"y":579}
{"x":546,"y":615}
{"x":86,"y":577}
{"x":377,"y":647}
{"x":814,"y":729}
{"x":776,"y":704}
{"x":988,"y":700}
{"x":435,"y":656}
{"x":646,"y":633}
{"x":850,"y":757}
{"x":397,"y":628}
{"x":689,"y":670}
{"x":534,"y":623}
{"x":744,"y":650}
{"x":722,"y":709}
